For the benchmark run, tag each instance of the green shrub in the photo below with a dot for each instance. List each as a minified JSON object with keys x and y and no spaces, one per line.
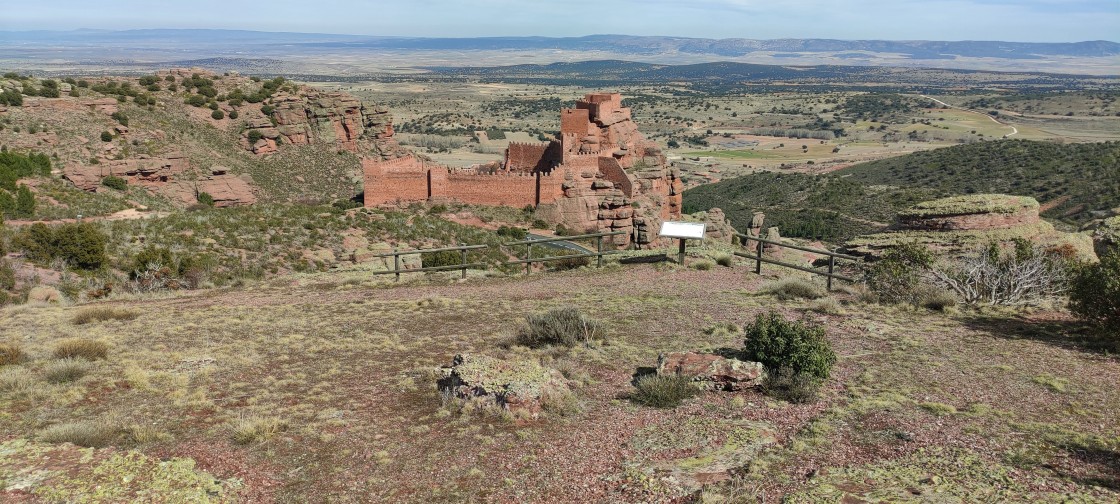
{"x":81,"y":347}
{"x":786,"y":384}
{"x":793,"y":288}
{"x":204,"y":198}
{"x":233,"y":114}
{"x":560,"y":327}
{"x":106,"y":136}
{"x":511,"y":232}
{"x":218,"y":115}
{"x":1095,"y":291}
{"x":114,"y":182}
{"x":897,"y":276}
{"x":663,"y":391}
{"x":442,"y":258}
{"x":101,"y":314}
{"x":255,"y":136}
{"x":79,"y":244}
{"x":799,"y":346}
{"x":151,"y":256}
{"x":66,"y":370}
{"x":7,"y":273}
{"x":11,"y":353}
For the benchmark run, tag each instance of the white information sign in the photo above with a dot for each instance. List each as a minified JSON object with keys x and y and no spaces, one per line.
{"x":685,"y":230}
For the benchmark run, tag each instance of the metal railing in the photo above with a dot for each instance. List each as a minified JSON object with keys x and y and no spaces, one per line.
{"x":529,"y":259}
{"x":759,"y":259}
{"x":463,"y":265}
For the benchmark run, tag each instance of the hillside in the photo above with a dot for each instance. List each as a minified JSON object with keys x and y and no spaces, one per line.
{"x":322,"y":388}
{"x":1075,"y":183}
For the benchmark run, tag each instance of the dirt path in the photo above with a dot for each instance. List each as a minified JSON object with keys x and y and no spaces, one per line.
{"x":1014,"y":130}
{"x":127,"y":214}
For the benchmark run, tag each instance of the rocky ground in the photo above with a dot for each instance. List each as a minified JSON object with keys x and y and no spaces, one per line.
{"x":322,"y":387}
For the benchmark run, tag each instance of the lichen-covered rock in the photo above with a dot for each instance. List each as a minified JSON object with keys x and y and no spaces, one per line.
{"x":520,"y":387}
{"x":712,"y":371}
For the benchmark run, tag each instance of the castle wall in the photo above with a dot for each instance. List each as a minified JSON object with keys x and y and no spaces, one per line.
{"x":574,"y":122}
{"x":614,"y":173}
{"x":401,"y":179}
{"x":531,"y":158}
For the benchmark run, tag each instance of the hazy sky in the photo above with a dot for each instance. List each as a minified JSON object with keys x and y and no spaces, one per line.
{"x":1011,"y":20}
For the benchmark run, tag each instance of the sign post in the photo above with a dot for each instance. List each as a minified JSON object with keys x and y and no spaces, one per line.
{"x":682,"y":231}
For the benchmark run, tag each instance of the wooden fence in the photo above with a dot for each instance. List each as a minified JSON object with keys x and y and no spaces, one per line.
{"x":759,"y":259}
{"x":529,"y":259}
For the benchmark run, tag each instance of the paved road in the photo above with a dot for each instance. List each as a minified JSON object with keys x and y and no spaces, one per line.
{"x":1014,"y":130}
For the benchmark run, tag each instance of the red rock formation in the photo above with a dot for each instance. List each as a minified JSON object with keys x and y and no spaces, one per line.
{"x":145,"y":171}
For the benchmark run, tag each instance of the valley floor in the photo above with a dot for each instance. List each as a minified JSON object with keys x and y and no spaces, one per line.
{"x":332,"y":375}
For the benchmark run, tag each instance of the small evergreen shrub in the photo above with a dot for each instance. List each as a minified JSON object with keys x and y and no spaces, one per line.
{"x":218,"y":115}
{"x":113,"y":182}
{"x":897,"y":276}
{"x":442,"y":258}
{"x":81,"y":347}
{"x":1095,"y":291}
{"x":778,"y":343}
{"x":560,"y":327}
{"x":204,"y":198}
{"x":663,"y":391}
{"x":106,"y":136}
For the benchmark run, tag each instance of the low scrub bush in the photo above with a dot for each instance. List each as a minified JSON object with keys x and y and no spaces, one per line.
{"x":827,"y":305}
{"x":726,"y":260}
{"x":1095,"y":291}
{"x":101,"y":314}
{"x":778,"y":343}
{"x":790,"y":386}
{"x":78,"y":244}
{"x":793,"y":288}
{"x":663,"y":391}
{"x":703,"y":264}
{"x":10,"y":353}
{"x":937,"y":299}
{"x":560,"y":327}
{"x":81,"y":348}
{"x":90,"y":434}
{"x":66,"y":370}
{"x":114,"y":182}
{"x":897,"y":276}
{"x":440,"y":259}
{"x":569,"y":263}
{"x":1029,"y":273}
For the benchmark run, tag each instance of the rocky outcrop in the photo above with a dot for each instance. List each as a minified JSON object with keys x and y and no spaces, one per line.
{"x":961,"y":225}
{"x":148,"y":171}
{"x":712,"y":372}
{"x":520,"y":387}
{"x":224,"y":187}
{"x":1106,"y":236}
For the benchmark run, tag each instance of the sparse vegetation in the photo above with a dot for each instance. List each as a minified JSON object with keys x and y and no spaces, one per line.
{"x":793,"y":288}
{"x":102,"y":314}
{"x":66,"y":370}
{"x":91,"y":434}
{"x":10,"y":354}
{"x":252,"y":429}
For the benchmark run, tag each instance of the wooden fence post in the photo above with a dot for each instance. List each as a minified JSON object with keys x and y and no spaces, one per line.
{"x":831,"y":265}
{"x":599,"y":249}
{"x":464,"y":259}
{"x":397,"y":264}
{"x":528,"y":258}
{"x":758,"y":260}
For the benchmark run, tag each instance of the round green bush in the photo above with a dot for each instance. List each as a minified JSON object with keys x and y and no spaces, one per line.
{"x":1095,"y":291}
{"x":218,"y":115}
{"x":800,"y":346}
{"x":114,"y":182}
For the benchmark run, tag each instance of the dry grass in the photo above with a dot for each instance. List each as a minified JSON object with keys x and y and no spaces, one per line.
{"x":90,"y":434}
{"x":101,"y":314}
{"x":81,"y":347}
{"x":827,"y":305}
{"x":250,"y":429}
{"x":11,"y":353}
{"x":66,"y":370}
{"x":664,"y":391}
{"x":793,"y":288}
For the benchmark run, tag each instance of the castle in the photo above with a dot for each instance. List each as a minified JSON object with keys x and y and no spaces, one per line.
{"x":599,"y":175}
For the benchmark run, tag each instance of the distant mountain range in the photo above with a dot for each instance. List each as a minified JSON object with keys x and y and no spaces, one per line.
{"x":181,"y":44}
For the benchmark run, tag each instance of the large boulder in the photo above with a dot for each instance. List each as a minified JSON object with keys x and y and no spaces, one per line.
{"x":519,"y":387}
{"x":713,"y":372}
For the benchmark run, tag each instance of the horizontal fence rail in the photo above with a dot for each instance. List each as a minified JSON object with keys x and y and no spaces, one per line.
{"x":759,"y":259}
{"x":463,"y":265}
{"x":529,"y":259}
